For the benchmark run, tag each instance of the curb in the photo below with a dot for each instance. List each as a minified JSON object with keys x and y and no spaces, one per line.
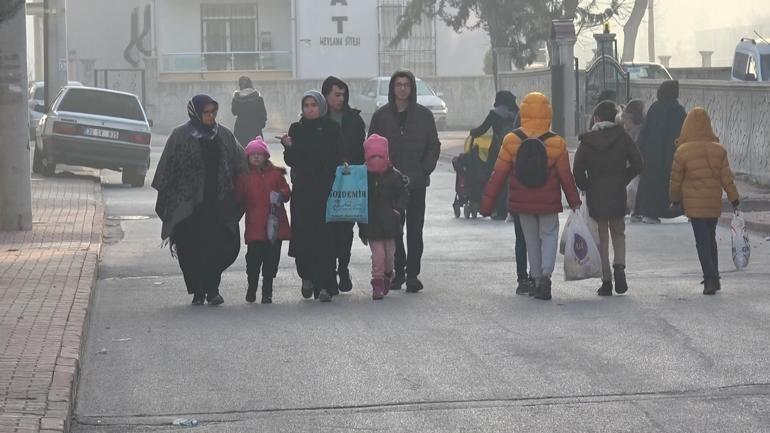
{"x":63,"y":389}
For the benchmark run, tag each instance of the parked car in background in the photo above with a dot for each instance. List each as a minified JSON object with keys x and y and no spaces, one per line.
{"x":96,"y":128}
{"x":375,"y":95}
{"x":751,"y":61}
{"x":646,"y":71}
{"x":36,"y":103}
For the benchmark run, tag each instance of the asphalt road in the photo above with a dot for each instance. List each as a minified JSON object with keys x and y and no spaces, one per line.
{"x":464,"y":355}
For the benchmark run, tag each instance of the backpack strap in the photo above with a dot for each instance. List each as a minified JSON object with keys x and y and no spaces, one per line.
{"x":546,"y":136}
{"x":519,"y":133}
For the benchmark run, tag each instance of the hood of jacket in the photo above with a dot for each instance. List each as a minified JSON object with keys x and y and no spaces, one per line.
{"x":392,"y":90}
{"x":697,"y":127}
{"x":668,"y":90}
{"x":536,"y":114}
{"x":247,"y":93}
{"x":330,"y":81}
{"x":603,"y":136}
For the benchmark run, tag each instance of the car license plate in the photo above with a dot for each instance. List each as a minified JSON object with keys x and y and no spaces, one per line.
{"x":101,"y":133}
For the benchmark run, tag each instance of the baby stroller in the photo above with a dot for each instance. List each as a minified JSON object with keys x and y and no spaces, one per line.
{"x":471,"y":176}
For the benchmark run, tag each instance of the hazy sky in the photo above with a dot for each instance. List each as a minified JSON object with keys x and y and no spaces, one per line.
{"x":676,"y":22}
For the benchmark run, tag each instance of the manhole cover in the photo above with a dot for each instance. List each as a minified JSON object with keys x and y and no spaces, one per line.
{"x":128,"y":217}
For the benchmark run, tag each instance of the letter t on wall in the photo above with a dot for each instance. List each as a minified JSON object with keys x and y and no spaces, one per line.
{"x":339,"y":21}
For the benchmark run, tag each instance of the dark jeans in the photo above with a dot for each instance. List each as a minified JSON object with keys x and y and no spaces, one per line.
{"x":204,"y":249}
{"x":521,"y":249}
{"x":343,"y":243}
{"x":705,"y":230}
{"x":414,"y":221}
{"x":262,"y":256}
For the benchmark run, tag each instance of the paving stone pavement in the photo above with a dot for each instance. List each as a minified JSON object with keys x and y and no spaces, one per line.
{"x":46,"y":277}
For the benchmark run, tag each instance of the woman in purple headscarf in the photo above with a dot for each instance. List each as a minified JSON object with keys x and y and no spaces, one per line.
{"x":195,"y":180}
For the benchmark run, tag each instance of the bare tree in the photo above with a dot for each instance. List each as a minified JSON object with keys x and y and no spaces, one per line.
{"x":631,"y":29}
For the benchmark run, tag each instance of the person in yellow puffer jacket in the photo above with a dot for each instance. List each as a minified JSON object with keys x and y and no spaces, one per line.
{"x":700,"y":172}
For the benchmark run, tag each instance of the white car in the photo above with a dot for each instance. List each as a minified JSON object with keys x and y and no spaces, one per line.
{"x":646,"y":71}
{"x":375,"y":95}
{"x":751,"y":61}
{"x":36,"y":103}
{"x":96,"y":128}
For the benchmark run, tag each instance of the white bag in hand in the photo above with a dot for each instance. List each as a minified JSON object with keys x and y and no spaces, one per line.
{"x":563,"y":239}
{"x":631,"y":191}
{"x":273,"y":220}
{"x":591,"y":223}
{"x":581,"y":255}
{"x":740,"y":241}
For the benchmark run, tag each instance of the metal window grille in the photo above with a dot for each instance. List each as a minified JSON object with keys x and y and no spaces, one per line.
{"x":417,"y":52}
{"x":227,"y":28}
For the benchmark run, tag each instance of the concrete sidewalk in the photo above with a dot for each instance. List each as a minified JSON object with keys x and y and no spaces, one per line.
{"x":46,"y":277}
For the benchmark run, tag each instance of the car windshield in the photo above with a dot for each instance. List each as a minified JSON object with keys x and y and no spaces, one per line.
{"x":422,"y":88}
{"x":102,"y":103}
{"x":647,"y":72}
{"x":764,"y":61}
{"x":39,"y":93}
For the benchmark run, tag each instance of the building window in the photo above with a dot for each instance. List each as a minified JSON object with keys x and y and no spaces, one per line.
{"x":229,"y":33}
{"x":417,"y":52}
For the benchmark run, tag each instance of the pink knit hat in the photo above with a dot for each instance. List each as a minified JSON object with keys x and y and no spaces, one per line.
{"x":257,"y":145}
{"x":376,"y":145}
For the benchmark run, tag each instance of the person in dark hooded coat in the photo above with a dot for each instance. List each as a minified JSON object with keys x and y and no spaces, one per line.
{"x":337,"y":96}
{"x":249,"y":108}
{"x":503,"y":118}
{"x":195,"y":179}
{"x":657,"y":144}
{"x":414,"y":148}
{"x":312,"y":149}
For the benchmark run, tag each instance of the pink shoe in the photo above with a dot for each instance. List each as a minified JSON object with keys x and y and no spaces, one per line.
{"x":378,"y":288}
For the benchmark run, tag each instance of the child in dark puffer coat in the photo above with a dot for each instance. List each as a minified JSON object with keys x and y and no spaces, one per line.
{"x":254,"y":189}
{"x":388,"y":198}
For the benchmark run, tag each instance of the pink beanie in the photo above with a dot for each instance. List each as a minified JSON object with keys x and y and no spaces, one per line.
{"x":257,"y":145}
{"x":376,"y":145}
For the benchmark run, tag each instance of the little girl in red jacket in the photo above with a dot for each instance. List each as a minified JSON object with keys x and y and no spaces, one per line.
{"x":263,"y":190}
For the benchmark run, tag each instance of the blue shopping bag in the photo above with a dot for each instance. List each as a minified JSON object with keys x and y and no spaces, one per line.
{"x":349,"y":198}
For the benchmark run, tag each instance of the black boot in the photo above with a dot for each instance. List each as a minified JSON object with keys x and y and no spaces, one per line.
{"x":413,"y":285}
{"x":345,"y":284}
{"x":198,"y":298}
{"x":543,"y":289}
{"x":621,"y":285}
{"x":605,"y":289}
{"x":398,"y":281}
{"x":215,"y":299}
{"x":251,"y":293}
{"x":710,"y":286}
{"x":525,"y":285}
{"x":267,"y":290}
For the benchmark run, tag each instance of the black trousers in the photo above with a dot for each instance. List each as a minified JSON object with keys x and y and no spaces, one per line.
{"x":521,"y":249}
{"x":343,"y":243}
{"x":408,"y":261}
{"x":705,"y":230}
{"x":262,"y":257}
{"x":204,"y":249}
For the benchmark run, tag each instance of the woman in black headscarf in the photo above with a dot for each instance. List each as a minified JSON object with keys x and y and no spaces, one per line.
{"x":313,"y":150}
{"x":195,"y":180}
{"x":503,"y":118}
{"x":249,"y":108}
{"x":657,"y":144}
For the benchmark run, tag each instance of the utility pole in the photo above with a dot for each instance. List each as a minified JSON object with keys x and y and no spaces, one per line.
{"x":15,"y":186}
{"x":651,"y":30}
{"x":55,"y":36}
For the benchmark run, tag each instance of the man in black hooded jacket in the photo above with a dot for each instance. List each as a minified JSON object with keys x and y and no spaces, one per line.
{"x":414,"y":149}
{"x":337,"y":96}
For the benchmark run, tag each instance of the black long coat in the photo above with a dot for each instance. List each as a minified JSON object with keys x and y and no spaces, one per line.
{"x":251,"y":115}
{"x":313,"y":157}
{"x":605,"y":162}
{"x":657,"y":143}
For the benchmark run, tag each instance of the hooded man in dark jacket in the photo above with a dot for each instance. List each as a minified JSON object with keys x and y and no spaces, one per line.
{"x":414,"y":149}
{"x":605,"y":162}
{"x":337,"y":96}
{"x":249,"y":109}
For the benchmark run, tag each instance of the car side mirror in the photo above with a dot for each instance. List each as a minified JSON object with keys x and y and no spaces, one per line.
{"x":39,"y":108}
{"x":370,"y":95}
{"x":440,"y":94}
{"x":150,"y":122}
{"x":751,"y":77}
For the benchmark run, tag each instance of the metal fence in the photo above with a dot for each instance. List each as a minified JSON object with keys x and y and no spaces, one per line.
{"x":417,"y":52}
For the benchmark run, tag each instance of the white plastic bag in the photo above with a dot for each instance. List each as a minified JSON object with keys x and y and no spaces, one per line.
{"x":563,"y":238}
{"x":740,"y":241}
{"x":273,"y":220}
{"x":581,"y":256}
{"x":591,"y":223}
{"x":631,"y":190}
